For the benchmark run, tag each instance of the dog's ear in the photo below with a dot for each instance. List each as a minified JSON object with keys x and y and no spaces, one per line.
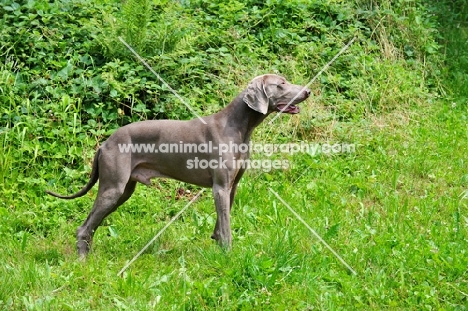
{"x":255,"y":96}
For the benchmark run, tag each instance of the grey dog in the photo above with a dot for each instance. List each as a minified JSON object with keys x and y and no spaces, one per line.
{"x":118,"y":172}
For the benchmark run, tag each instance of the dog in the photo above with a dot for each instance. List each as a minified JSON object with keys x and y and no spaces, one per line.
{"x":118,"y":171}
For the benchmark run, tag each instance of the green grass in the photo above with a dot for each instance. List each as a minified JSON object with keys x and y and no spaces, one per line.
{"x":395,"y":210}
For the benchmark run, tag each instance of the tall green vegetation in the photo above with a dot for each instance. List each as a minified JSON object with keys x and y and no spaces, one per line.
{"x":395,"y":209}
{"x":453,"y":21}
{"x":66,"y":73}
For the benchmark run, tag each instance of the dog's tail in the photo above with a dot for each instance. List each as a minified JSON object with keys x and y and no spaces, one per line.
{"x":93,"y":179}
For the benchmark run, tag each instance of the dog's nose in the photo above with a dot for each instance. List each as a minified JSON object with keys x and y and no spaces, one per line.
{"x":307,"y":92}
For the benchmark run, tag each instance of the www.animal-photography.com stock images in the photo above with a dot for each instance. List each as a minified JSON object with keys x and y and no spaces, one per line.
{"x":234,"y":155}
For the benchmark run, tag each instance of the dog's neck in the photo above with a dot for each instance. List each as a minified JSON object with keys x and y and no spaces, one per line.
{"x":240,"y":119}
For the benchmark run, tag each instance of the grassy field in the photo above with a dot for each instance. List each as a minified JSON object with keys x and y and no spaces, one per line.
{"x":395,"y":209}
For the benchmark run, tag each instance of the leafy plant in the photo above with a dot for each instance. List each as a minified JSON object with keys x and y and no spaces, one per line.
{"x":394,"y":209}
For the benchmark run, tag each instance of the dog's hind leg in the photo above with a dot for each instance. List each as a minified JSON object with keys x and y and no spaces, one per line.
{"x":107,"y":201}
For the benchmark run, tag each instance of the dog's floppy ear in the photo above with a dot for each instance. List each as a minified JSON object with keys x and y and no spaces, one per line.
{"x":255,"y":96}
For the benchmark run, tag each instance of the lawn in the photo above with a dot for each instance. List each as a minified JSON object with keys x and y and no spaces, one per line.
{"x":394,"y":208}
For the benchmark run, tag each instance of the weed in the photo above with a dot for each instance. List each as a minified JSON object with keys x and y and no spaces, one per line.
{"x":394,"y":209}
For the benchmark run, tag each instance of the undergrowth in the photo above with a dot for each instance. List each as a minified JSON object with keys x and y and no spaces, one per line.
{"x":395,"y":209}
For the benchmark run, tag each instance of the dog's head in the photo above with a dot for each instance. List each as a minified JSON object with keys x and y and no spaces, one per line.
{"x":268,"y":93}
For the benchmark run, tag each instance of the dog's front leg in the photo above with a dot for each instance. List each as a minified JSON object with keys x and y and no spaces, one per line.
{"x":222,"y":231}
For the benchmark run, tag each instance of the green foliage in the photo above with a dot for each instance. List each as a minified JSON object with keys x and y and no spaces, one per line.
{"x":150,"y":27}
{"x":453,"y":18}
{"x":394,"y":209}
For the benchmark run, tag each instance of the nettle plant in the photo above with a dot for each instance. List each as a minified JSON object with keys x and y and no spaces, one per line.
{"x":67,"y":77}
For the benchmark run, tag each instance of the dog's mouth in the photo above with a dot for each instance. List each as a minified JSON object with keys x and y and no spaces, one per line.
{"x":284,"y":108}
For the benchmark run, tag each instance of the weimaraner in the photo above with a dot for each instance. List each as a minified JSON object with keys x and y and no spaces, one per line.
{"x":118,"y":172}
